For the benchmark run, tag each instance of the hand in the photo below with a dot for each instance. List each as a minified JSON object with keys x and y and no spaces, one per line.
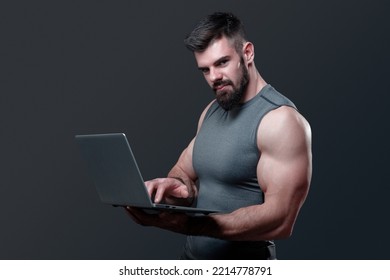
{"x":169,"y":190}
{"x":176,"y":222}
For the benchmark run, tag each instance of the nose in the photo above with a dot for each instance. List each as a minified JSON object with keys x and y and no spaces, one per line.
{"x":215,"y":75}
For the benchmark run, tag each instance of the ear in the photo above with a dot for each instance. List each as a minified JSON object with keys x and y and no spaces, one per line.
{"x":249,"y":52}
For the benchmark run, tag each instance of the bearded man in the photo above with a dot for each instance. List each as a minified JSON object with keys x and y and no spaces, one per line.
{"x":250,"y":158}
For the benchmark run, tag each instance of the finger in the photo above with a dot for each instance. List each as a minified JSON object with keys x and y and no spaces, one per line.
{"x":163,"y":186}
{"x":172,"y":188}
{"x":150,"y":187}
{"x":180,"y":192}
{"x":160,"y":193}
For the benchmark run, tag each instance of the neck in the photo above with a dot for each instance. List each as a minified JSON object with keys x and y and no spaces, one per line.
{"x":256,"y":83}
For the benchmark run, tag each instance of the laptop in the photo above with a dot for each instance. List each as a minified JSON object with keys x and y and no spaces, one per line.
{"x":118,"y":180}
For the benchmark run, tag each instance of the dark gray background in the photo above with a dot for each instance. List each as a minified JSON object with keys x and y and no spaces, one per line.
{"x":70,"y":67}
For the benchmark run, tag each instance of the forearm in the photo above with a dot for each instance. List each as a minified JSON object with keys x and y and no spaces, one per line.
{"x":244,"y":224}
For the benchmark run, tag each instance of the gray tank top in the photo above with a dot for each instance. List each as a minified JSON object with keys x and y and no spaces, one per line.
{"x":225,"y":158}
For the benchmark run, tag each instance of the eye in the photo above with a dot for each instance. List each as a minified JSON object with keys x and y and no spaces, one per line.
{"x":223,"y":63}
{"x":205,"y":71}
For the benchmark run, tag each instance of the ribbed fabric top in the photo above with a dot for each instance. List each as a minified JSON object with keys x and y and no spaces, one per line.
{"x":225,"y":158}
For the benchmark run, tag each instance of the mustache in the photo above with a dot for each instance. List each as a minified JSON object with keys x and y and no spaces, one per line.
{"x":222,"y":83}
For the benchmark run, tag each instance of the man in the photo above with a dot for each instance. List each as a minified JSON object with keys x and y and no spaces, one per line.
{"x":251,"y":156}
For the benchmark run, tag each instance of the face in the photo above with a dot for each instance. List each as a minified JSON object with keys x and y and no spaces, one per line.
{"x":225,"y":71}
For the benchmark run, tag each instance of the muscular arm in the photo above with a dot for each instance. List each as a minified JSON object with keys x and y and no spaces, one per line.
{"x":284,"y":174}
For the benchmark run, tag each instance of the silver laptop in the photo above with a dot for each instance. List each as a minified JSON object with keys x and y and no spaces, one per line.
{"x":117,"y":178}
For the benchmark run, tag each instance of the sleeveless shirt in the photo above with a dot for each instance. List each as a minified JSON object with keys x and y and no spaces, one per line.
{"x":225,"y":159}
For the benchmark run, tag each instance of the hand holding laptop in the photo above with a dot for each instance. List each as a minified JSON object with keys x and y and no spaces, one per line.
{"x":173,"y":221}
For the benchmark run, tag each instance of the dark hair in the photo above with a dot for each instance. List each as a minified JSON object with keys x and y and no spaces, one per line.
{"x":214,"y":27}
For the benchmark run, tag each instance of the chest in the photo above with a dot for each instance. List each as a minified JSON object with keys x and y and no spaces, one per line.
{"x":225,"y":148}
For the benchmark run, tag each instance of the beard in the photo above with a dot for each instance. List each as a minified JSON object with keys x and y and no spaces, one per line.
{"x":230,"y":98}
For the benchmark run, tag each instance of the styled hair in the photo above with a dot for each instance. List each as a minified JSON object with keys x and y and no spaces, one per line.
{"x":213,"y":27}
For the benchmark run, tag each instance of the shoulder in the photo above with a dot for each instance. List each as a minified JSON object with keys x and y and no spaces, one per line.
{"x":283,"y":128}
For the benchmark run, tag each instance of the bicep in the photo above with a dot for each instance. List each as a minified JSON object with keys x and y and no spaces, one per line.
{"x":284,"y":168}
{"x":286,"y":180}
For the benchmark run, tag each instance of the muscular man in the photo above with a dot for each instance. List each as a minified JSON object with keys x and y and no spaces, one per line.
{"x":251,"y":156}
